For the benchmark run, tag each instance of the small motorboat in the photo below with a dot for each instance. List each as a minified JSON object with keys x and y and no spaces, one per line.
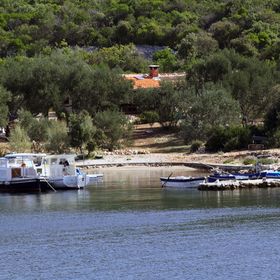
{"x":181,"y":182}
{"x":221,"y":176}
{"x":270,"y":174}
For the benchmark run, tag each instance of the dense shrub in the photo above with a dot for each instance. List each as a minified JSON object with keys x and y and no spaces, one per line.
{"x":149,"y":117}
{"x":195,"y":145}
{"x":19,"y":140}
{"x":250,"y":161}
{"x":228,"y":139}
{"x":58,"y":140}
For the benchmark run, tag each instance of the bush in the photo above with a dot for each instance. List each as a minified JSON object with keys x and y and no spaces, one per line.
{"x":195,"y":145}
{"x":274,"y":140}
{"x":19,"y":140}
{"x":113,"y":129}
{"x":58,"y":141}
{"x":250,"y":161}
{"x":149,"y":117}
{"x":267,"y":161}
{"x":228,"y":139}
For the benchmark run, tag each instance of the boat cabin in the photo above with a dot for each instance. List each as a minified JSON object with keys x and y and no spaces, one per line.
{"x":11,"y":168}
{"x":57,"y":166}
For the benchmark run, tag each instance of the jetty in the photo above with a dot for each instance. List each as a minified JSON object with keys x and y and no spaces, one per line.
{"x":239,"y":184}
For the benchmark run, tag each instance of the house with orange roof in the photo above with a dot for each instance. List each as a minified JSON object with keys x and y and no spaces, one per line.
{"x":153,"y":79}
{"x":148,"y":81}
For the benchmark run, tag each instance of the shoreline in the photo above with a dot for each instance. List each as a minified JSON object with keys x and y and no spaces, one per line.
{"x":232,"y":161}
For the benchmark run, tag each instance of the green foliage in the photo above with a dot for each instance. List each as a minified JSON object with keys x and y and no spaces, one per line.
{"x":29,"y":27}
{"x":228,"y":138}
{"x":149,"y":117}
{"x":122,"y":56}
{"x":45,"y":82}
{"x":249,"y":83}
{"x":58,"y":140}
{"x":113,"y":129}
{"x":169,"y":103}
{"x":247,"y":79}
{"x":274,"y":139}
{"x":224,"y":31}
{"x":250,"y":161}
{"x":19,"y":140}
{"x":81,"y":131}
{"x":196,"y":45}
{"x":4,"y":98}
{"x":214,"y":108}
{"x":37,"y":129}
{"x":272,"y":116}
{"x":145,"y":99}
{"x":166,"y":59}
{"x":54,"y":51}
{"x":266,"y":161}
{"x":195,"y":145}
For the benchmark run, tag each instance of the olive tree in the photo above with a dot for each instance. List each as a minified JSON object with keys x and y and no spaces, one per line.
{"x":81,"y":130}
{"x":113,"y":129}
{"x":215,"y":107}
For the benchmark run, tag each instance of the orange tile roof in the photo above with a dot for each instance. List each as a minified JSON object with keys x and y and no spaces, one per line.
{"x":145,"y":83}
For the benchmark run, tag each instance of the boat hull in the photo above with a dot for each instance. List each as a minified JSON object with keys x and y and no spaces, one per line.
{"x":237,"y":176}
{"x":21,"y":185}
{"x":181,"y":182}
{"x":68,"y":182}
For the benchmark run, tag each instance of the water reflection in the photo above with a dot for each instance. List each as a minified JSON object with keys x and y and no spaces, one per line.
{"x":138,"y":189}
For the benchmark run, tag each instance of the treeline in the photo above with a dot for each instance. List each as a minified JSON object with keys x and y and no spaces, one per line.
{"x":86,"y":99}
{"x":250,"y":27}
{"x":58,"y":52}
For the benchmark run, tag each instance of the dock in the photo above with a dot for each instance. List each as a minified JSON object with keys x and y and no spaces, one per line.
{"x":241,"y":184}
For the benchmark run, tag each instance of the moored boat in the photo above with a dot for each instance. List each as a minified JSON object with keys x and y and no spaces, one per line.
{"x":181,"y":182}
{"x":221,"y":176}
{"x":18,"y":176}
{"x":270,"y":174}
{"x":60,"y":172}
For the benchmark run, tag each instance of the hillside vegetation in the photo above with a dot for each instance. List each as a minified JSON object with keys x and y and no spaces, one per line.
{"x":59,"y":54}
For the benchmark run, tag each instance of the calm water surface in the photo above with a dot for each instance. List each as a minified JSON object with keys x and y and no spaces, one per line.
{"x":129,"y":228}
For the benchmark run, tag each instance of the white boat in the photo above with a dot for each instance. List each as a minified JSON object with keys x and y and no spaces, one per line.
{"x":60,"y":171}
{"x":55,"y":171}
{"x":181,"y":182}
{"x":18,"y":175}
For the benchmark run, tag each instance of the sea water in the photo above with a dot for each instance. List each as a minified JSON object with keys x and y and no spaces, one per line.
{"x":128,"y":227}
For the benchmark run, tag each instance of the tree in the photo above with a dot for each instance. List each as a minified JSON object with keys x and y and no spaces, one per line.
{"x":58,"y":141}
{"x":98,"y":89}
{"x":224,"y":32}
{"x":113,"y":129}
{"x":125,"y":57}
{"x":167,"y":60}
{"x":212,"y":69}
{"x":272,"y":116}
{"x":196,"y":45}
{"x":170,"y":99}
{"x":149,"y":117}
{"x":4,"y":98}
{"x":19,"y":140}
{"x":37,"y":129}
{"x":251,"y":84}
{"x":215,"y":107}
{"x":81,"y":130}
